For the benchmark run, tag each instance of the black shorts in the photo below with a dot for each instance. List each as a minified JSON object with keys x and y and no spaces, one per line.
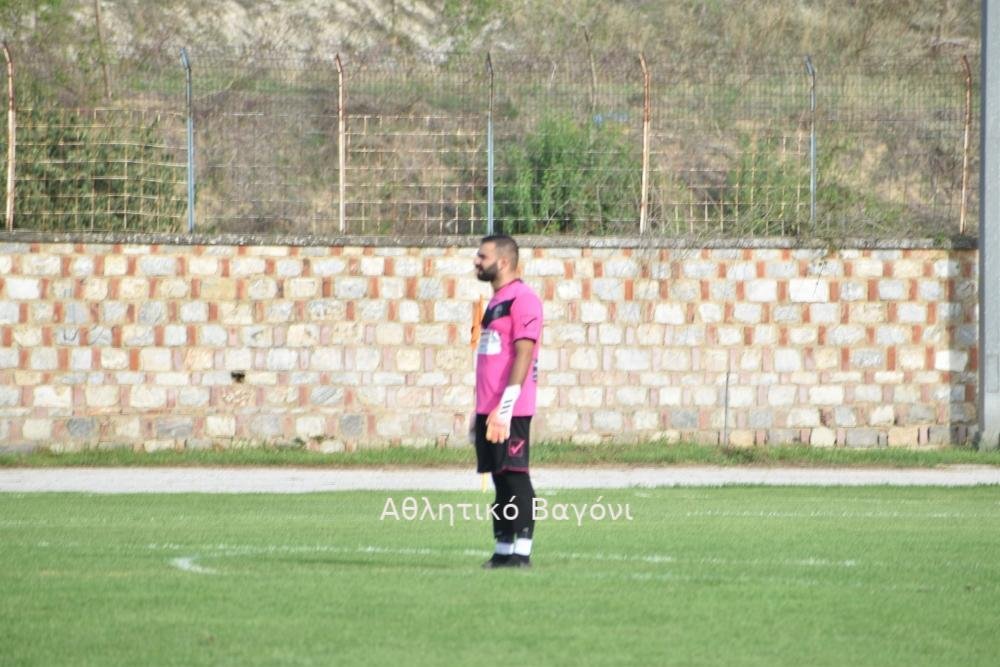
{"x":509,"y":456}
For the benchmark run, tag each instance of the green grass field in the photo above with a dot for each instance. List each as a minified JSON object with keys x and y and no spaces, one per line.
{"x":731,"y":576}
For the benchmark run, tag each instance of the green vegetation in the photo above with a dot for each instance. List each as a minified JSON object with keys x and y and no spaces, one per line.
{"x":567,"y":178}
{"x":748,"y":576}
{"x":545,"y":453}
{"x":890,"y":121}
{"x":105,"y":170}
{"x":766,"y":192}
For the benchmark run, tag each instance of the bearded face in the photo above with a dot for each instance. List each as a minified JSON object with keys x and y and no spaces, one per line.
{"x":487,"y":262}
{"x":487,"y":274}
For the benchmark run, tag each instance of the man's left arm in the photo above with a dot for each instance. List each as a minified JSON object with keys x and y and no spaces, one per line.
{"x":524,"y":352}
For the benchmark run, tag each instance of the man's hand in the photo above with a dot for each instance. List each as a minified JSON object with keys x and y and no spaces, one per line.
{"x":498,"y":421}
{"x":496,"y":430}
{"x":472,"y":428}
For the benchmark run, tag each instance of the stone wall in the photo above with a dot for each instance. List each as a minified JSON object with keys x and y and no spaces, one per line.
{"x":160,"y":342}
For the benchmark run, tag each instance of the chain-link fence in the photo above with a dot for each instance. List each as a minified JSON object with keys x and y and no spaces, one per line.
{"x":586,"y":145}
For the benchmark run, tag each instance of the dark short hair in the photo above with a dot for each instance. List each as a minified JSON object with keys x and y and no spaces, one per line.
{"x":505,"y":245}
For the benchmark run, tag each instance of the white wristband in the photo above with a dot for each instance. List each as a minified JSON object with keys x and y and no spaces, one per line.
{"x":507,"y":402}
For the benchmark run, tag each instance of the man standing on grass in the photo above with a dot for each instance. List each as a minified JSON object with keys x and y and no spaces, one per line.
{"x":506,"y":376}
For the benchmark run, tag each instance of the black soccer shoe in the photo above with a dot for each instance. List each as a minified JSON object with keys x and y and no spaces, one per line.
{"x":497,"y":560}
{"x":517,"y":560}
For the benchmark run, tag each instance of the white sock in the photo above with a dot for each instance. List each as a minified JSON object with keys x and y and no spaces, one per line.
{"x":504,"y":548}
{"x":522,"y":547}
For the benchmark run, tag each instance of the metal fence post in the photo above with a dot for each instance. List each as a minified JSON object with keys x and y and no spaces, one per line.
{"x":989,"y":232}
{"x":965,"y":145}
{"x":811,"y":72}
{"x":644,"y":196}
{"x":190,"y":141}
{"x":101,"y":50}
{"x":341,"y":146}
{"x":11,"y":137}
{"x":489,"y":151}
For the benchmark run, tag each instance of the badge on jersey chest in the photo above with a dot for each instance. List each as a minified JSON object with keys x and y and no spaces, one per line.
{"x":497,"y":311}
{"x":489,"y":342}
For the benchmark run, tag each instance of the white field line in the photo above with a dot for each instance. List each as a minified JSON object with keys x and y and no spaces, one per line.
{"x":835,"y":515}
{"x":712,"y":496}
{"x":189,"y":564}
{"x":220,"y":551}
{"x":224,"y":550}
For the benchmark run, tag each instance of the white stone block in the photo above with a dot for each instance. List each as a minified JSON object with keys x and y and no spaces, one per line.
{"x":670,"y":395}
{"x":147,"y":397}
{"x":803,"y":418}
{"x":368,"y":359}
{"x":586,"y":397}
{"x":282,"y":359}
{"x":584,"y":358}
{"x":762,"y":290}
{"x":632,"y":396}
{"x":610,"y":334}
{"x":808,"y":290}
{"x":562,"y":422}
{"x":670,"y":313}
{"x":196,"y":266}
{"x":22,"y":288}
{"x":36,"y":429}
{"x":327,"y":266}
{"x":302,"y":288}
{"x":742,"y":397}
{"x":155,"y":360}
{"x":882,"y":415}
{"x":302,"y":335}
{"x":781,"y":395}
{"x":787,"y":360}
{"x":46,"y":396}
{"x":310,"y":427}
{"x":607,"y":422}
{"x":592,"y":312}
{"x":241,"y":267}
{"x":822,"y":437}
{"x":101,"y":397}
{"x":220,"y":426}
{"x":892,"y":290}
{"x":951,"y":360}
{"x":632,"y":359}
{"x":826,"y":395}
{"x":539,"y":266}
{"x":41,"y":265}
{"x":372,"y":266}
